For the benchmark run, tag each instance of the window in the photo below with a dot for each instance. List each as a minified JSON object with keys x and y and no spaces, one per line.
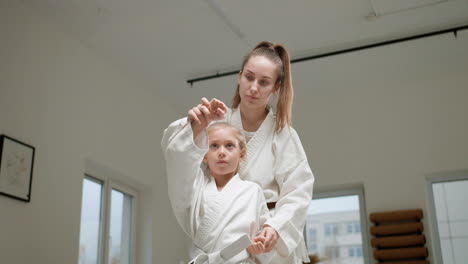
{"x":312,"y":247}
{"x":359,"y":251}
{"x":337,"y":221}
{"x":332,"y":252}
{"x":353,"y":227}
{"x":107,"y":223}
{"x":357,"y":227}
{"x":312,"y":234}
{"x":90,"y":231}
{"x":355,"y":251}
{"x":312,"y":240}
{"x":331,"y":229}
{"x":449,"y":217}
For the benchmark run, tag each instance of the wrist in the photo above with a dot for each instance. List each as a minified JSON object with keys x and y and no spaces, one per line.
{"x":196,"y":128}
{"x":269,"y":226}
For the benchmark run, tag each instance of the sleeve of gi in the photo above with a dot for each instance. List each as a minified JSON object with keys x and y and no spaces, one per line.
{"x":295,"y":180}
{"x":184,"y":175}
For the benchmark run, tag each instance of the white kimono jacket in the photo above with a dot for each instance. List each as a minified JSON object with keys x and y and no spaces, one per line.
{"x":212,"y":219}
{"x":277,"y":162}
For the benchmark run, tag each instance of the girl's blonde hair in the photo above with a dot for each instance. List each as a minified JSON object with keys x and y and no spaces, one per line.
{"x":277,"y":54}
{"x":237,"y":132}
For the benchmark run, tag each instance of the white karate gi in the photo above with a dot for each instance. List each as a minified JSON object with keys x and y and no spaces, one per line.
{"x":278,"y":163}
{"x":212,"y":219}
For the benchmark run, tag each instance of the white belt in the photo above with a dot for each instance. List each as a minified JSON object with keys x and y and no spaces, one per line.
{"x":225,"y":254}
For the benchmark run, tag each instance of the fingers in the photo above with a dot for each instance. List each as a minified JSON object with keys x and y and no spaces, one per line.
{"x":219,"y":108}
{"x":201,"y":114}
{"x":271,"y":237}
{"x":259,"y":247}
{"x":220,"y":112}
{"x":205,"y":102}
{"x":192,"y":115}
{"x":207,"y":111}
{"x":256,"y":248}
{"x":259,"y":239}
{"x":270,"y":243}
{"x":223,"y":106}
{"x":267,"y":242}
{"x":215,"y":103}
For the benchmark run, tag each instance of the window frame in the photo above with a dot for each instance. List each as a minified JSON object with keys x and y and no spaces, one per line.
{"x":101,"y":215}
{"x":432,"y":217}
{"x":109,"y":184}
{"x":355,"y":190}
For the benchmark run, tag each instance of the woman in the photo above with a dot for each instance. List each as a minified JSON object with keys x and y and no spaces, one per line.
{"x":275,"y":157}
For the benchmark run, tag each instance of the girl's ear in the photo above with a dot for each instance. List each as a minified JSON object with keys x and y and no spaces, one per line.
{"x":243,"y":154}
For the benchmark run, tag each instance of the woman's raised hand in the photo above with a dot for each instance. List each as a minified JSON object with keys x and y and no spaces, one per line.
{"x":200,"y":114}
{"x":206,"y":112}
{"x":218,"y":109}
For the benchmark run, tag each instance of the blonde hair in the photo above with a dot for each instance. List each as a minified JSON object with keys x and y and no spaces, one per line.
{"x":237,"y":132}
{"x":277,"y":54}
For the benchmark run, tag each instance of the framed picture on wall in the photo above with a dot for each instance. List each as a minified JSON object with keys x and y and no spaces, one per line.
{"x":16,"y":168}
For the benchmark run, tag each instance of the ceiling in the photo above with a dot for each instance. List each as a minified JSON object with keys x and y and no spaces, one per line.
{"x":170,"y":41}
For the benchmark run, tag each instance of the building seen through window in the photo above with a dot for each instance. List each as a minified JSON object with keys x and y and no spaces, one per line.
{"x":333,"y":230}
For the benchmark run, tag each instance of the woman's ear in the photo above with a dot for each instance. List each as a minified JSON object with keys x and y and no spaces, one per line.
{"x":277,"y":88}
{"x":239,"y":77}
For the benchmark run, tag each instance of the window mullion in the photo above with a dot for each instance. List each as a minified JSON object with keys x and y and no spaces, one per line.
{"x":133,"y":234}
{"x":105,"y":238}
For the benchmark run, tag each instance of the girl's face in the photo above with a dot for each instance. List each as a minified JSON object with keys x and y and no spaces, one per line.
{"x":257,"y":82}
{"x":224,"y":152}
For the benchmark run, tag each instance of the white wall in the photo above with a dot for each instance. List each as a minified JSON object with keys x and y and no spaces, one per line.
{"x":387,"y":118}
{"x":70,"y":104}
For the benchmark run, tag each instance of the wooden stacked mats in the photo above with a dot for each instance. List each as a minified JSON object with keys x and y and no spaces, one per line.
{"x":398,"y":237}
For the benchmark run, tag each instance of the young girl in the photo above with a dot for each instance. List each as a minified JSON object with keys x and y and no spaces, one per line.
{"x":214,"y":206}
{"x":275,"y":159}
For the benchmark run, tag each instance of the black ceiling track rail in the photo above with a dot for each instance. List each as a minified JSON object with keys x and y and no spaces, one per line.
{"x":453,"y":30}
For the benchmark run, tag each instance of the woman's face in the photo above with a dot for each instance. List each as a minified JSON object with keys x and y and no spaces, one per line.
{"x":257,"y":82}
